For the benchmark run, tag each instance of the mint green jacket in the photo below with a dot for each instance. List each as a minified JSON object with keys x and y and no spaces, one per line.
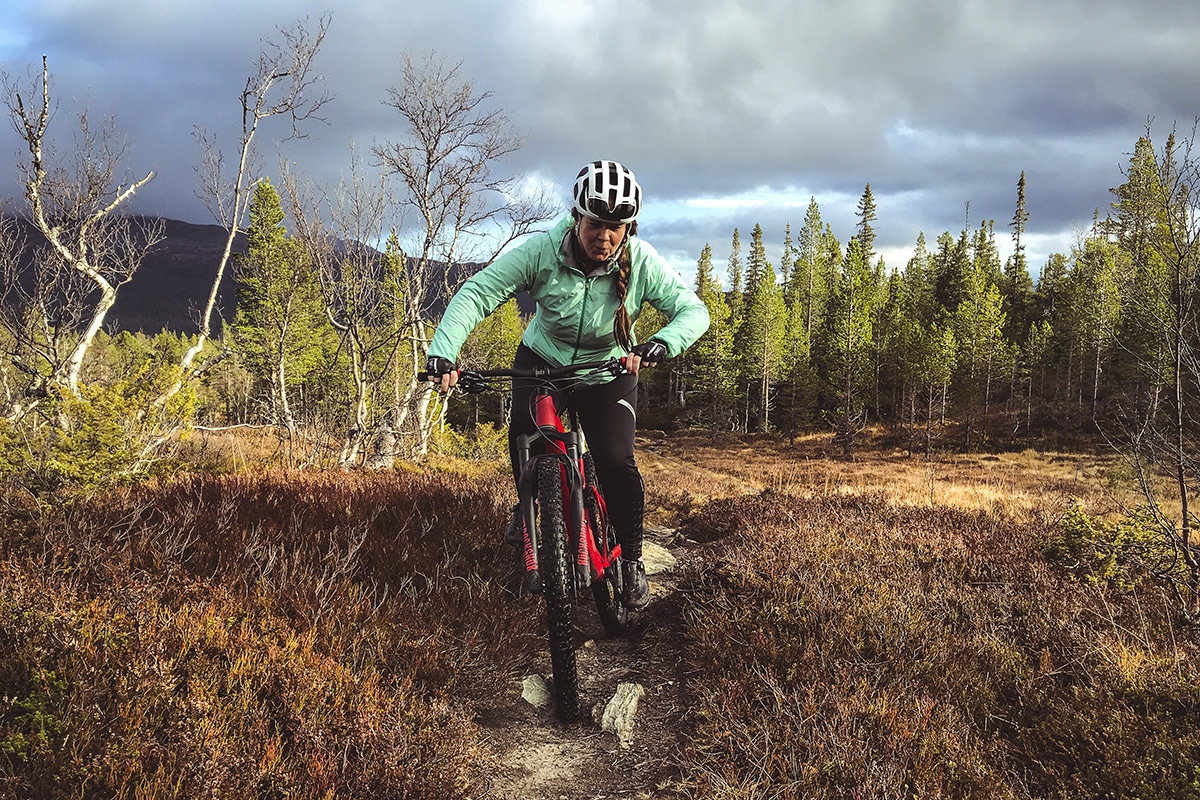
{"x":573,"y":322}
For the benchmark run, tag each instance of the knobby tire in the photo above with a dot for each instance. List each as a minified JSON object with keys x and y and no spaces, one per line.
{"x":557,"y":586}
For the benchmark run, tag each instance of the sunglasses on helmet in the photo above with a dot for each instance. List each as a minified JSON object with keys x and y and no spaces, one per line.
{"x":601,"y":209}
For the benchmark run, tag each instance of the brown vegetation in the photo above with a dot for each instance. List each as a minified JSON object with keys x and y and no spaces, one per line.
{"x":252,"y":636}
{"x":884,"y":628}
{"x":891,"y":628}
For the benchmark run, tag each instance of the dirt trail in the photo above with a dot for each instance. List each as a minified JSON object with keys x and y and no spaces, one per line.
{"x":546,"y":760}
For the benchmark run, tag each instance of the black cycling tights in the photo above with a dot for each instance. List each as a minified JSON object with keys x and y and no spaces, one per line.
{"x":608,"y":415}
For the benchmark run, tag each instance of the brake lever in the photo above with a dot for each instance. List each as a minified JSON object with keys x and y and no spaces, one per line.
{"x":472,"y":383}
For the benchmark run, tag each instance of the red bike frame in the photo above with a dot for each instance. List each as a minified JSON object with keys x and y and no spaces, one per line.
{"x":591,"y":561}
{"x":573,"y":523}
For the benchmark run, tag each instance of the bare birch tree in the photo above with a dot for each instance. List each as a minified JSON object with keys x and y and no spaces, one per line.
{"x":87,"y":253}
{"x":284,"y":84}
{"x":1157,"y":430}
{"x":363,"y":291}
{"x":464,"y":213}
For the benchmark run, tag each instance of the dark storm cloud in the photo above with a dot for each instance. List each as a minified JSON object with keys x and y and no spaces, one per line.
{"x":935,"y":104}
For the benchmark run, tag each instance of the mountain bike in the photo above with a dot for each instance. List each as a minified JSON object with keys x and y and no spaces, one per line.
{"x":569,"y":545}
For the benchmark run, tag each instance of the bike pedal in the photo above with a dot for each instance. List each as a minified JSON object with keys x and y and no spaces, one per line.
{"x":533,"y":582}
{"x":583,"y":576}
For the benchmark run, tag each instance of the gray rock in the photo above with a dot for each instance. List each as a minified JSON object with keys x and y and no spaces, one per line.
{"x":657,"y":558}
{"x":619,"y":715}
{"x":536,"y":692}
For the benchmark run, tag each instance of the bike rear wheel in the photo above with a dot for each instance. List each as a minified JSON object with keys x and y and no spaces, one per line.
{"x":557,"y":586}
{"x":607,"y":591}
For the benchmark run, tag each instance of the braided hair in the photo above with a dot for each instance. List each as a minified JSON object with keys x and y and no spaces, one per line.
{"x":622,"y":323}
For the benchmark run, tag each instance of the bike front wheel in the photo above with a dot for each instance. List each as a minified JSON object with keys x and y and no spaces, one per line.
{"x":557,"y":586}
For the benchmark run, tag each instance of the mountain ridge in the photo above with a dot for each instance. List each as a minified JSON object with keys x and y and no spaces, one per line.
{"x":173,"y":282}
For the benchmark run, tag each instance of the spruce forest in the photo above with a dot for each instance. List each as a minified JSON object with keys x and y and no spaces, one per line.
{"x":256,"y":557}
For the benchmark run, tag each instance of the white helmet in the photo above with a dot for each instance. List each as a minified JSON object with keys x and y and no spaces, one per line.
{"x":607,"y":191}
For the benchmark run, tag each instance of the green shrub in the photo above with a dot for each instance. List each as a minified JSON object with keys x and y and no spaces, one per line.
{"x":94,"y":441}
{"x":485,"y":442}
{"x":1122,"y":554}
{"x":32,"y":728}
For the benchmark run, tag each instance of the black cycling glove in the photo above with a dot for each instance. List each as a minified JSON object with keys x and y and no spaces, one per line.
{"x":436,"y":366}
{"x":652,"y":351}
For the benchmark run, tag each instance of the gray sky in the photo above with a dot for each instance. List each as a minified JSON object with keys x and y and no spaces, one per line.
{"x":731,"y":113}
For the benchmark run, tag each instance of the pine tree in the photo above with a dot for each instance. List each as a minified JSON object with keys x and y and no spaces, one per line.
{"x":1138,"y":209}
{"x":279,"y":327}
{"x":760,"y":337}
{"x":1093,"y":289}
{"x":797,"y":375}
{"x":1016,"y":285}
{"x":866,"y":231}
{"x":493,"y":344}
{"x":756,"y":262}
{"x":1050,"y":306}
{"x":818,"y":256}
{"x":889,"y":328}
{"x":848,"y":344}
{"x":951,"y":263}
{"x":734,"y":274}
{"x":661,"y":387}
{"x":787,"y":264}
{"x":737,"y":305}
{"x":982,"y":350}
{"x":1137,"y":219}
{"x":924,"y":349}
{"x":1036,"y":356}
{"x":985,"y":256}
{"x":712,"y":355}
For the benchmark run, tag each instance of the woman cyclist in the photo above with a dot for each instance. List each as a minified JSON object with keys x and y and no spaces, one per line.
{"x":589,"y":276}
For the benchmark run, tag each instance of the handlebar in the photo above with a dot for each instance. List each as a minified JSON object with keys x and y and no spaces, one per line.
{"x":474,"y":381}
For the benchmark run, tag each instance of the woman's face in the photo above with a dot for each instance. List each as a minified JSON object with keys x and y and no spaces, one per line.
{"x":599,"y":240}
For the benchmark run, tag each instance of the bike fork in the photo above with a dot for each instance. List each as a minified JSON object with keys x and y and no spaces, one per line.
{"x":577,"y":522}
{"x":567,"y":450}
{"x":580,"y":529}
{"x":527,"y":492}
{"x":529,"y":544}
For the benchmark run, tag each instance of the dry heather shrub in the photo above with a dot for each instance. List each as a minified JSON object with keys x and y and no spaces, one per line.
{"x":849,"y":647}
{"x":254,"y":636}
{"x":209,"y":698}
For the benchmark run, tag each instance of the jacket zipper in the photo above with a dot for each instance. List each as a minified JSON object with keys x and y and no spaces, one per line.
{"x":587,"y":290}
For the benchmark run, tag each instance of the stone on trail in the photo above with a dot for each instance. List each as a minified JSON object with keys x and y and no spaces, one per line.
{"x":657,"y":558}
{"x":620,"y":713}
{"x":536,"y":692}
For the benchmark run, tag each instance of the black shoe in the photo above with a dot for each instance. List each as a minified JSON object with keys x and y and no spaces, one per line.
{"x":514,"y":534}
{"x":637,"y":589}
